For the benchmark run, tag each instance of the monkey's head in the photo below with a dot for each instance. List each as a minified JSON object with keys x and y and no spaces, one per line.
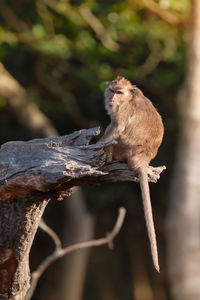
{"x":117,"y":92}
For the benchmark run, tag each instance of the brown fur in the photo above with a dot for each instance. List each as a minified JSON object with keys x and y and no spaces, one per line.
{"x":137,"y":128}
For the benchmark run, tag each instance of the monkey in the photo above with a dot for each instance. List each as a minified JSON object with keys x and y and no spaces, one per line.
{"x":137,"y":131}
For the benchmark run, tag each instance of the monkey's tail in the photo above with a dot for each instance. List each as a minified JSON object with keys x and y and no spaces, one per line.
{"x":144,"y":185}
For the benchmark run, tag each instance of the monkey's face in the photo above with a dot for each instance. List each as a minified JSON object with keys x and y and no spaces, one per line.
{"x":117,"y":92}
{"x":115,"y":96}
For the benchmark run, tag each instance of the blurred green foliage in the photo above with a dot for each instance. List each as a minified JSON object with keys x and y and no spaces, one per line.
{"x":79,"y":45}
{"x":64,"y":51}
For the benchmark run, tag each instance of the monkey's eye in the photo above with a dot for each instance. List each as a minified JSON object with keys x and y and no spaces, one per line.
{"x":119,"y":92}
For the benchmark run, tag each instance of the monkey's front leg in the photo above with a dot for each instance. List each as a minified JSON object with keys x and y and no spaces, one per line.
{"x":108,"y":137}
{"x":109,"y":153}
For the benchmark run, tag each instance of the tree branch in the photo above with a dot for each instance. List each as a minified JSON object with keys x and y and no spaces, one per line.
{"x":55,"y":238}
{"x":60,"y":252}
{"x":32,"y":173}
{"x":167,"y":15}
{"x":54,"y":165}
{"x":98,"y":28}
{"x":26,"y":112}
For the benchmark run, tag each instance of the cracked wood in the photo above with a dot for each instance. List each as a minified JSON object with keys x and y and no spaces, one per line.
{"x":53,"y":165}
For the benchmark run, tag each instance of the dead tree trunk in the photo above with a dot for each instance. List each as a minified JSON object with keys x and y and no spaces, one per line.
{"x":19,"y":222}
{"x":184,"y":213}
{"x":32,"y":173}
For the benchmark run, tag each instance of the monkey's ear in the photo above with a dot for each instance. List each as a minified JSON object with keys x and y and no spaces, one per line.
{"x":134,"y":91}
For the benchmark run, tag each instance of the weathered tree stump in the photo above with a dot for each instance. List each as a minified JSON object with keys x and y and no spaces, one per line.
{"x":32,"y":173}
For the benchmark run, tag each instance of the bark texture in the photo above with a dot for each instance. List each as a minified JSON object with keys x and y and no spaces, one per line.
{"x":32,"y":173}
{"x":19,"y":221}
{"x":53,"y":165}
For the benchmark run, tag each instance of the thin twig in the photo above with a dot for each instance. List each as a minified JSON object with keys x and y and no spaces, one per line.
{"x":98,"y":28}
{"x":51,"y":233}
{"x":167,"y":15}
{"x":63,"y":251}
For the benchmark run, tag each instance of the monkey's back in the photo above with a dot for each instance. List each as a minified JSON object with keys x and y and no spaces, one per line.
{"x":141,"y":130}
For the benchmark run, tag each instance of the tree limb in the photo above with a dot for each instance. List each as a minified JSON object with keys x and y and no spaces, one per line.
{"x":54,"y":165}
{"x":98,"y":28}
{"x":59,"y":252}
{"x":55,"y":238}
{"x":16,"y":97}
{"x":167,"y":15}
{"x":32,"y":173}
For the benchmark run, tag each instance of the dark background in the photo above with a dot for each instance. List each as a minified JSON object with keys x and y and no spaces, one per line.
{"x":62,"y":53}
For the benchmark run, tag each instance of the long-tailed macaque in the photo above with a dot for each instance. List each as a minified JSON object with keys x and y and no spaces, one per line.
{"x":137,"y":129}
